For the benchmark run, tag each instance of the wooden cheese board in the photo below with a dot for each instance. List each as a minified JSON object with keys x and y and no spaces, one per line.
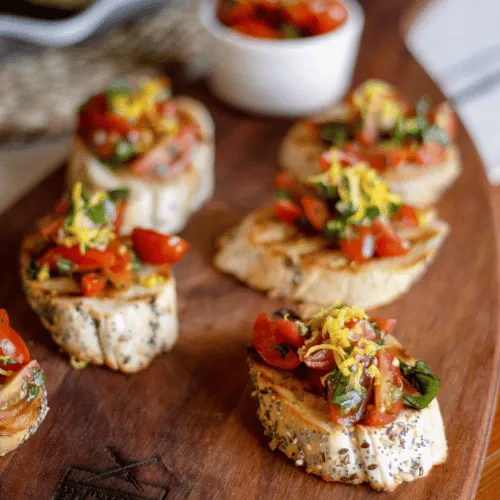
{"x":191,"y":413}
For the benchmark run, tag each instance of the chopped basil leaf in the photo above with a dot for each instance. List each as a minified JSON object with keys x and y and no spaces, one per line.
{"x":124,"y":150}
{"x":282,"y":194}
{"x":335,"y":228}
{"x":5,"y":360}
{"x":372,"y":212}
{"x":325,"y":190}
{"x":346,"y":399}
{"x":97,"y":213}
{"x":393,"y":208}
{"x":117,"y":90}
{"x":119,"y":195}
{"x":380,"y":341}
{"x":421,"y":378}
{"x":334,"y":132}
{"x":64,"y":265}
{"x":436,"y":134}
{"x":33,"y":389}
{"x":285,"y":313}
{"x":282,"y":349}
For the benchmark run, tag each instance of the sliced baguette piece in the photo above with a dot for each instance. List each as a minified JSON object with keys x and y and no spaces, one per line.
{"x":298,"y":423}
{"x":275,"y":257}
{"x":124,"y":330}
{"x":20,"y":413}
{"x":418,"y":186}
{"x":164,"y":206}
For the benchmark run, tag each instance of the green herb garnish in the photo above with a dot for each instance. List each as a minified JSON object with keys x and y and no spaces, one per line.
{"x":335,"y":133}
{"x":97,"y":213}
{"x":64,"y":265}
{"x":119,"y":195}
{"x":422,"y":379}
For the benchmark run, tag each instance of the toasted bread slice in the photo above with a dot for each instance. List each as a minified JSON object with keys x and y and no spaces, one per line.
{"x":123,"y":330}
{"x":275,"y":257}
{"x":23,"y":407}
{"x":161,"y":205}
{"x":418,"y":186}
{"x":297,"y":421}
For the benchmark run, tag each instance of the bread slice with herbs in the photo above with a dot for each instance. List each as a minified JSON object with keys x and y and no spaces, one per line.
{"x":278,"y":258}
{"x":418,"y":185}
{"x":124,"y":330}
{"x":339,"y":396}
{"x":161,"y":204}
{"x":298,"y":424}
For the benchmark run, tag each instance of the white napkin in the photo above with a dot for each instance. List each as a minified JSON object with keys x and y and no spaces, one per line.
{"x":458,"y":42}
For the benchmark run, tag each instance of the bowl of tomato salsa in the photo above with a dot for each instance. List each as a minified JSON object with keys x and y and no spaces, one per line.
{"x":281,"y":57}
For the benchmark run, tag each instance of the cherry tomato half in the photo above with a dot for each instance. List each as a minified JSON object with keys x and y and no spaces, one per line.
{"x":316,"y":211}
{"x":358,"y":243}
{"x":388,"y":399}
{"x":157,"y":248}
{"x":407,"y":216}
{"x":92,"y":284}
{"x":89,"y":261}
{"x":387,"y":242}
{"x":272,"y":345}
{"x":12,"y":346}
{"x":287,"y":211}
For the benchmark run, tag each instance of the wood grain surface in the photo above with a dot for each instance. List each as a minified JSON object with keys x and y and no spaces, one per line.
{"x":193,"y":407}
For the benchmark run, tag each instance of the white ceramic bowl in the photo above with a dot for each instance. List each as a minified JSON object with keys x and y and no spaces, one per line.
{"x":281,"y":77}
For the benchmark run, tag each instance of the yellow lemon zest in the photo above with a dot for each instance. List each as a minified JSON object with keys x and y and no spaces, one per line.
{"x":152,"y":280}
{"x":43,"y":273}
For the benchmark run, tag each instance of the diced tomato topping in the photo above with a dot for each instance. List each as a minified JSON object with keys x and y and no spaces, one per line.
{"x":396,"y":157}
{"x":331,"y":19}
{"x":231,"y":13}
{"x":319,"y":360}
{"x":388,"y":399}
{"x":257,"y":29}
{"x":169,"y":157}
{"x":407,"y":216}
{"x":272,"y":345}
{"x":91,"y":260}
{"x":120,"y":215}
{"x":121,"y":273}
{"x":387,"y":242}
{"x":287,"y":182}
{"x":287,"y":211}
{"x":366,"y":331}
{"x":50,"y":228}
{"x":316,"y":212}
{"x":301,"y":14}
{"x":95,"y":116}
{"x":157,"y":248}
{"x":12,"y":346}
{"x":358,"y":243}
{"x":62,"y":208}
{"x":385,"y":325}
{"x":430,"y":153}
{"x":92,"y":284}
{"x":345,"y":158}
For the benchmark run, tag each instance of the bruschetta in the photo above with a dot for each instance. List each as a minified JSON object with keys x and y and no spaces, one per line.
{"x":340,"y":235}
{"x":339,"y":396}
{"x":105,"y":299}
{"x":158,"y":147}
{"x":412,"y":147}
{"x":23,"y":397}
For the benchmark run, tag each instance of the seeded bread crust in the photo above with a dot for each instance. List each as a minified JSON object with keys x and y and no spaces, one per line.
{"x":298,"y":423}
{"x":418,"y":186}
{"x":161,"y":205}
{"x":122,"y":330}
{"x":274,"y":257}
